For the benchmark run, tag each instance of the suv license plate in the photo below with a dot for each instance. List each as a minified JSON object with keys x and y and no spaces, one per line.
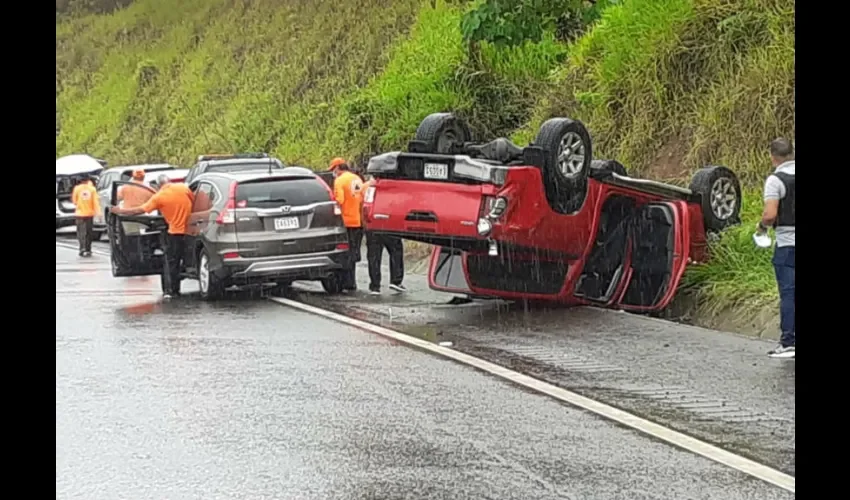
{"x":436,"y":171}
{"x":284,"y":223}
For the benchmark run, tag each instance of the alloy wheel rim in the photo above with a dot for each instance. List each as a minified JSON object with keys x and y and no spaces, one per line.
{"x":723,"y":199}
{"x":204,"y":274}
{"x":571,"y":153}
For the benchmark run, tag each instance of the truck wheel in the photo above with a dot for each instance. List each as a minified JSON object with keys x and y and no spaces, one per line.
{"x":567,"y":152}
{"x":609,"y":166}
{"x":720,"y":192}
{"x":332,"y":284}
{"x":440,"y":131}
{"x":209,"y":286}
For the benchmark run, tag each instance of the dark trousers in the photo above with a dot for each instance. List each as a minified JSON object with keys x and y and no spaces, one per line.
{"x":375,"y":245}
{"x":783,"y":264}
{"x":175,"y":248}
{"x":85,"y":233}
{"x":355,"y":240}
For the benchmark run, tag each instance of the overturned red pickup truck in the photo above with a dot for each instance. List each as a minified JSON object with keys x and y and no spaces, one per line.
{"x":545,"y":222}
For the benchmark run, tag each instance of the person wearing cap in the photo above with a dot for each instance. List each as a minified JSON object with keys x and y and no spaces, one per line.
{"x":174,"y":202}
{"x":348,"y":192}
{"x":134,"y":195}
{"x":86,"y":203}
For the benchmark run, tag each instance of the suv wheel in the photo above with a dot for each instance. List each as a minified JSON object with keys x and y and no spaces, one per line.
{"x":210,"y":287}
{"x":568,"y":153}
{"x":332,"y":284}
{"x":721,"y":197}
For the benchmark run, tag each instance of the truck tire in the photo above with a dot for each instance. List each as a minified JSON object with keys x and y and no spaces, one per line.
{"x":609,"y":166}
{"x":441,"y":131}
{"x":720,"y":193}
{"x":567,"y":156}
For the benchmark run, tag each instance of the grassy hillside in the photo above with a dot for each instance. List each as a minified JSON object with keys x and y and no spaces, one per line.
{"x":664,"y":85}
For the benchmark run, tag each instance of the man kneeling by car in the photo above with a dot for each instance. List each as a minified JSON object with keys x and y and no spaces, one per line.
{"x":174,"y":201}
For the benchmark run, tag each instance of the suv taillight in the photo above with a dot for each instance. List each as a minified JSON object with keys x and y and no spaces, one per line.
{"x":369,"y":197}
{"x":227,"y":215}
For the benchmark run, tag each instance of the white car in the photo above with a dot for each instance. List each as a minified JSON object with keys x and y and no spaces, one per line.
{"x":69,"y":172}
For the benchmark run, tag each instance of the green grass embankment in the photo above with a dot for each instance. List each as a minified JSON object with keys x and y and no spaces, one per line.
{"x":665,"y":86}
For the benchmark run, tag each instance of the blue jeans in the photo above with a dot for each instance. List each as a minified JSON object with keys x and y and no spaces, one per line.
{"x":783,"y":264}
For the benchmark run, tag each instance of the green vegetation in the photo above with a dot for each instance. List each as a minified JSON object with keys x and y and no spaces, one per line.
{"x":665,"y":86}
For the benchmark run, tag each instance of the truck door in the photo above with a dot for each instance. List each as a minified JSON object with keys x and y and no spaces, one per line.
{"x":659,"y":256}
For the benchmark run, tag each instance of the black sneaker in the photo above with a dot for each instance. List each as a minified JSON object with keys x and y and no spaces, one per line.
{"x":398,"y":288}
{"x":783,"y":352}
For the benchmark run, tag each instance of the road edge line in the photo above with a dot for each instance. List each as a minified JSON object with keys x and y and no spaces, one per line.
{"x":678,"y":439}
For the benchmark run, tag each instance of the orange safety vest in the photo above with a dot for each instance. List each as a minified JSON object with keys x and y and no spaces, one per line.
{"x":348,"y":191}
{"x":134,"y":195}
{"x":85,"y":200}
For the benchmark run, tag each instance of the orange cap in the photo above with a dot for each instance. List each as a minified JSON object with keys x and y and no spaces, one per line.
{"x":336,"y":163}
{"x":138,"y":174}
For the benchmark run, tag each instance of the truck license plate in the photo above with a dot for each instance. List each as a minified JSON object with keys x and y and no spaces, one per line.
{"x":285,"y":223}
{"x":436,"y":171}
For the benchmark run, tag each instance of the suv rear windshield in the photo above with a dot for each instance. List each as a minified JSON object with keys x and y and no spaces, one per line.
{"x":277,"y":192}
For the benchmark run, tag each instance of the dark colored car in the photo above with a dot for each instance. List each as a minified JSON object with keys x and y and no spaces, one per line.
{"x":545,"y":222}
{"x":247,"y":229}
{"x":237,"y":162}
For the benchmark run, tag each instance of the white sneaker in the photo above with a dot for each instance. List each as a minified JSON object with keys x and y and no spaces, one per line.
{"x":398,"y":288}
{"x":783,"y":352}
{"x":166,"y":296}
{"x":374,"y":292}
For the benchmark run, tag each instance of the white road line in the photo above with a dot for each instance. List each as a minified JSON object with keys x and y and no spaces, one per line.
{"x":675,"y":438}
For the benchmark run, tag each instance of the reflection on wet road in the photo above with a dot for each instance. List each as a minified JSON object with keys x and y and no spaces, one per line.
{"x":248,"y":399}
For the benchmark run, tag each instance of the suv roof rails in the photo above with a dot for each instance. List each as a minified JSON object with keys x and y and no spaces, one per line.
{"x":232,"y":156}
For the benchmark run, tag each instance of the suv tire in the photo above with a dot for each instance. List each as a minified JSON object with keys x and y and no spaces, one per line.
{"x":332,"y":284}
{"x":441,"y":131}
{"x":567,"y":155}
{"x":209,"y":286}
{"x":720,"y":193}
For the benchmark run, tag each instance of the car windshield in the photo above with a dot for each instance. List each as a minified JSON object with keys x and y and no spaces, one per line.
{"x":277,"y":192}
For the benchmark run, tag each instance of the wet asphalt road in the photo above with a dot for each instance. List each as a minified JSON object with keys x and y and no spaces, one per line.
{"x":248,"y":399}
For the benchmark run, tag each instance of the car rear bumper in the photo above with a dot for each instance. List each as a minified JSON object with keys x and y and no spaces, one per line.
{"x":302,"y":266}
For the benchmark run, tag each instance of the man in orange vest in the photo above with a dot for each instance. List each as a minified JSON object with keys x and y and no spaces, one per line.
{"x":174,"y":202}
{"x":132,"y":196}
{"x":85,"y":199}
{"x":348,"y":191}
